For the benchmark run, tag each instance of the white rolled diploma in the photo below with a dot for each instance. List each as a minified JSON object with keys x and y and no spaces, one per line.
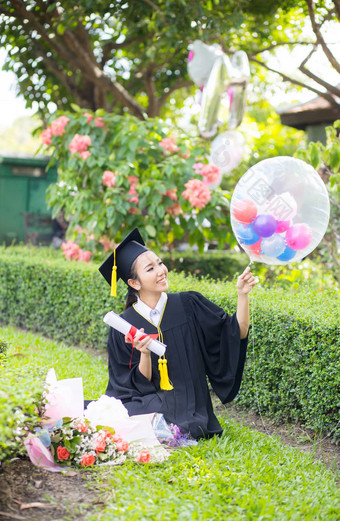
{"x":117,"y":322}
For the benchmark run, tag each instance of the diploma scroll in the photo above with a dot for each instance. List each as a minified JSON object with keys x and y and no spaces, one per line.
{"x":117,"y":322}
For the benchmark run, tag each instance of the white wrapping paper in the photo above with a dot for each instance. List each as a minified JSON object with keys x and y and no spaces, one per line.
{"x":117,"y":322}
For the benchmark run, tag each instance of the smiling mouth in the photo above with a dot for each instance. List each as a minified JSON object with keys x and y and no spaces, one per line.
{"x":162,"y":280}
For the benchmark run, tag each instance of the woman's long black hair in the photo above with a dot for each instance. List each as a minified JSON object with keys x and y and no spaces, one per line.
{"x":132,"y":293}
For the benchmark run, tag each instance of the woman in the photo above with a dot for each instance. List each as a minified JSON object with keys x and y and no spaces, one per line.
{"x":202,"y":341}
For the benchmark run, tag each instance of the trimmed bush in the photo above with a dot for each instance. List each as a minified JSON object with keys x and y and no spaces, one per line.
{"x":293,"y":367}
{"x":21,"y":400}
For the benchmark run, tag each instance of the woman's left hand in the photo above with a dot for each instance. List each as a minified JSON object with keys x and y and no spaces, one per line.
{"x":246,"y":281}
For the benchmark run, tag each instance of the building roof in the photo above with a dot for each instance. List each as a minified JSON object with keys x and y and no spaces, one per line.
{"x":313,"y":112}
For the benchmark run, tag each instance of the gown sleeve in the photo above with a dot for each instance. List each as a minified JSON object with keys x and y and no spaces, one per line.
{"x":218,"y":337}
{"x":125,"y":383}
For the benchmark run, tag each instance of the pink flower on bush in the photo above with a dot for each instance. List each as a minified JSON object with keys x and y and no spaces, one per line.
{"x":109,"y":178}
{"x":169,"y":144}
{"x":99,"y":122}
{"x":198,"y":167}
{"x":211,"y":173}
{"x":186,"y":154}
{"x":132,"y":210}
{"x":174,"y":210}
{"x":197,"y":193}
{"x":89,"y":117}
{"x":62,"y":453}
{"x":85,"y":155}
{"x":144,"y":456}
{"x":122,"y":446}
{"x":79,"y":144}
{"x":46,"y":136}
{"x":72,"y":251}
{"x":58,"y":125}
{"x":87,"y":460}
{"x":172,"y":193}
{"x":84,"y":255}
{"x":133,"y":180}
{"x":107,"y":243}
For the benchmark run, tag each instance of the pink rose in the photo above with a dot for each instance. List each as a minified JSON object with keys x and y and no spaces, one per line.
{"x":58,"y":125}
{"x":87,"y":460}
{"x":122,"y":446}
{"x":82,"y":426}
{"x":109,"y":178}
{"x":144,"y":456}
{"x":169,"y":144}
{"x":100,"y":446}
{"x":116,"y":438}
{"x":46,"y":136}
{"x":79,"y":143}
{"x":62,"y":453}
{"x":197,"y":193}
{"x":211,"y":173}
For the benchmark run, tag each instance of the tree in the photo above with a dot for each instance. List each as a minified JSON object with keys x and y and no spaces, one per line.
{"x":131,"y":55}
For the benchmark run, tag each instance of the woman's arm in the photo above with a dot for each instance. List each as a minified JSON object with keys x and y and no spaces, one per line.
{"x":245,"y":283}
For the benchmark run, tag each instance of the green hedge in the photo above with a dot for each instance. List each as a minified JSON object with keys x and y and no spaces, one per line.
{"x":21,"y":396}
{"x":293,"y":367}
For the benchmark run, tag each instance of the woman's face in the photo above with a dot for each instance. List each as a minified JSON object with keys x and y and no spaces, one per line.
{"x":151,"y":273}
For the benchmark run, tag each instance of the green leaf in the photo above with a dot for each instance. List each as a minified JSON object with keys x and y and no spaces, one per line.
{"x":315,"y":155}
{"x":150,"y":230}
{"x":334,"y":157}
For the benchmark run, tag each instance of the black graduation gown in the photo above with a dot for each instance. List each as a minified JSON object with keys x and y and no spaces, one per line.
{"x":202,"y":340}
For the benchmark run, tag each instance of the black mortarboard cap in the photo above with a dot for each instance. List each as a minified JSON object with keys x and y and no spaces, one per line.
{"x":122,"y":259}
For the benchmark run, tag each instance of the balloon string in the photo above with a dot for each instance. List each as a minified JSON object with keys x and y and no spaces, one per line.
{"x":251,"y":302}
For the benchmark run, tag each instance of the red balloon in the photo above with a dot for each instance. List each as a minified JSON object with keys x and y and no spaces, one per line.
{"x":244,"y":210}
{"x":256,"y":248}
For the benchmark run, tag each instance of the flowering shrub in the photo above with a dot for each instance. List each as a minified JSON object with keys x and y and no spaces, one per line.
{"x":117,"y":172}
{"x":72,"y":251}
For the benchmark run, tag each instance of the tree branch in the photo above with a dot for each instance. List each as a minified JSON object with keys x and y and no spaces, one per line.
{"x":319,"y":37}
{"x":279,"y":44}
{"x":151,"y":90}
{"x":176,"y":86}
{"x":328,"y":97}
{"x":337,"y":8}
{"x":307,"y":72}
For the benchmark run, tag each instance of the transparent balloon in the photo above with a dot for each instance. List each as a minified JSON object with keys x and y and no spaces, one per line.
{"x":201,"y":59}
{"x":279,"y":210}
{"x":227,"y":150}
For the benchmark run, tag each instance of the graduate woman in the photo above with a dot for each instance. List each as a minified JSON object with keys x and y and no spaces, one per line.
{"x":202,"y":342}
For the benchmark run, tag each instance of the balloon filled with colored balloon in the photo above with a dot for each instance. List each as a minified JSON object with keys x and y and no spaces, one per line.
{"x":273,"y":221}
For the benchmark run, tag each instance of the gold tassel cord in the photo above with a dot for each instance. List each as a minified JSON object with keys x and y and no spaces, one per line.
{"x":164,"y":383}
{"x":114,"y":277}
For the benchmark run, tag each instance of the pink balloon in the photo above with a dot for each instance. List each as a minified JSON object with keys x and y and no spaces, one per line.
{"x":191,"y":55}
{"x":282,"y":226}
{"x":298,"y":236}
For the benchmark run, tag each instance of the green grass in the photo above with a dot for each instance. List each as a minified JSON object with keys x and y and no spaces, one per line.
{"x":243,"y":475}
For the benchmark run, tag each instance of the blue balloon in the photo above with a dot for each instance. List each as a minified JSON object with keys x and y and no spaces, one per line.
{"x":273,"y":246}
{"x":287,"y":255}
{"x":246,"y":234}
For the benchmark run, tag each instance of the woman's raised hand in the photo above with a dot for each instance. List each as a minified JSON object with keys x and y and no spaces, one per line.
{"x":246,"y":281}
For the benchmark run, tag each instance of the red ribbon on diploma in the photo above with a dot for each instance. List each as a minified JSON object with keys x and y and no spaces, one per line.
{"x":131,"y":338}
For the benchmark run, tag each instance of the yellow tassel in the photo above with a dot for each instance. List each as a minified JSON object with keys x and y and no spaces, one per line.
{"x":165,"y":383}
{"x":114,"y":277}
